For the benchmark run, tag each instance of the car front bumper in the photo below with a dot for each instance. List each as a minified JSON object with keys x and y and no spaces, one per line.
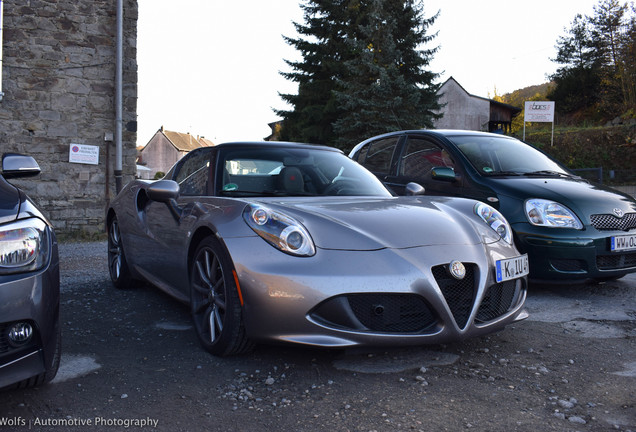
{"x":31,"y":298}
{"x":566,"y":254}
{"x":383,"y":297}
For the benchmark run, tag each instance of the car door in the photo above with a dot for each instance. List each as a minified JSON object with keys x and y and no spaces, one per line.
{"x":419,"y":160}
{"x":168,"y":230}
{"x":379,"y":157}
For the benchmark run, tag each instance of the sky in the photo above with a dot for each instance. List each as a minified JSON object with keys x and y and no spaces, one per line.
{"x":212,"y":67}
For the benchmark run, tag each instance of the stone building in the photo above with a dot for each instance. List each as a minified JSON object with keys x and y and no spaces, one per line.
{"x":462,"y":110}
{"x":165,"y":148}
{"x":58,"y":87}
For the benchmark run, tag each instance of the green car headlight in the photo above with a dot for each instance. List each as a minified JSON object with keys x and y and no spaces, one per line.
{"x":546,"y":213}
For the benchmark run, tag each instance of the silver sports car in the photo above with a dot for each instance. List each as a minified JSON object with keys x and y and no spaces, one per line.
{"x":297,"y":243}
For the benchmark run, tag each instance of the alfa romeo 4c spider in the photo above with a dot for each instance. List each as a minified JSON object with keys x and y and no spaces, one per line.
{"x":285,"y":242}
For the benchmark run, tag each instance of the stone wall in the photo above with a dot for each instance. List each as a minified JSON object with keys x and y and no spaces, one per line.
{"x":59,"y":89}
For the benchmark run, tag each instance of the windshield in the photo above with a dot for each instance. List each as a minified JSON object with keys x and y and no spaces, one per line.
{"x":494,"y":155}
{"x":287,"y":171}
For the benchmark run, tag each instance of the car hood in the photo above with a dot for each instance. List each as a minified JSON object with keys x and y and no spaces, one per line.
{"x":9,"y":201}
{"x":581,"y":196}
{"x":372,"y":223}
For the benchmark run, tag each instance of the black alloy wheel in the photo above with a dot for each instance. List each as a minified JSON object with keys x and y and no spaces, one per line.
{"x":214,"y":299}
{"x":117,"y":267}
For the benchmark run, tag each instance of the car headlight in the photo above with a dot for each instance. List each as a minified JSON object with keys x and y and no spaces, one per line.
{"x":24,"y":246}
{"x":547,"y":213}
{"x":281,"y":231}
{"x":495,"y":220}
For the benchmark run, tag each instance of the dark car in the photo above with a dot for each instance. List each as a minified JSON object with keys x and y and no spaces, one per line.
{"x":572,"y":229}
{"x":29,"y":284}
{"x":297,"y":243}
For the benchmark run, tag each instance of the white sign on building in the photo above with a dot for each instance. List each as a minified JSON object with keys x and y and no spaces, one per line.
{"x":83,"y":154}
{"x":537,"y":111}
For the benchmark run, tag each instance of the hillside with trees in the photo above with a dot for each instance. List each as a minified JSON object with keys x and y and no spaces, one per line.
{"x":594,"y":90}
{"x":596,"y":79}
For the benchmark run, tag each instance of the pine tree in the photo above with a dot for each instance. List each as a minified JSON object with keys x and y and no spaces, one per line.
{"x":386,"y":86}
{"x":363,"y":71}
{"x":578,"y":81}
{"x":608,"y":27}
{"x":321,"y":44}
{"x":628,"y":62}
{"x":598,"y":64}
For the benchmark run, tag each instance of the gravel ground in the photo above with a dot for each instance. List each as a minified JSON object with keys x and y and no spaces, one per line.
{"x":132,"y":362}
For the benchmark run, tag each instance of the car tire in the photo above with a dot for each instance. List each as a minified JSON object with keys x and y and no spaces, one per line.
{"x":214,"y":301}
{"x":50,"y":373}
{"x":117,"y":266}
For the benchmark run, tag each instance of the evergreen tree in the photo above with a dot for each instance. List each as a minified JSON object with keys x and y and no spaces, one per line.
{"x":627,"y":65}
{"x":608,"y":26}
{"x":577,"y":82}
{"x":322,"y":46}
{"x":386,"y":86}
{"x":577,"y":49}
{"x":363,"y":71}
{"x":598,"y":63}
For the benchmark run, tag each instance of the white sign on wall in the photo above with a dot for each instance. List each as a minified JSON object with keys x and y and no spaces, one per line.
{"x":83,"y":154}
{"x":536,"y":111}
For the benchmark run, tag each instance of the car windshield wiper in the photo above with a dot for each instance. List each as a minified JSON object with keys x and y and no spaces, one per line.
{"x":550,"y":173}
{"x":503,"y":173}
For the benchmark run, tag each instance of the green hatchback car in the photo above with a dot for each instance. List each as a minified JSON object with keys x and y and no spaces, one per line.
{"x":571,"y":228}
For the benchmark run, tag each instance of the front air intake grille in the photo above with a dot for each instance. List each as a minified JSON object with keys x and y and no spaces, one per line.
{"x":459,"y":294}
{"x":497,"y":301}
{"x":609,"y":222}
{"x":379,"y":313}
{"x":392,"y":313}
{"x":568,"y":265}
{"x":616,"y":262}
{"x":4,"y":343}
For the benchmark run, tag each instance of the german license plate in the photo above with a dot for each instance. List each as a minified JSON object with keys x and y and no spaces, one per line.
{"x":623,"y":243}
{"x":512,"y":268}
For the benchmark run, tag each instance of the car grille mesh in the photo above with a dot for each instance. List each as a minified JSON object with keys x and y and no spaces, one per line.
{"x":377,"y":312}
{"x":609,"y":222}
{"x":568,"y":265}
{"x":4,"y":343}
{"x":392,"y":313}
{"x":616,"y":262}
{"x":459,"y":294}
{"x":497,"y":301}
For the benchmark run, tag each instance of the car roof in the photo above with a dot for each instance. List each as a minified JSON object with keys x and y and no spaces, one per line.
{"x":442,"y":132}
{"x":277,"y":144}
{"x":427,"y":132}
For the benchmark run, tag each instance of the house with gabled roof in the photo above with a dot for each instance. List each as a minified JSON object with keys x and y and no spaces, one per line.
{"x":165,"y":148}
{"x":462,"y":110}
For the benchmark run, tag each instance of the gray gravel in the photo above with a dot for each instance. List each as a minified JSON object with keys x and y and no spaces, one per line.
{"x":133,"y":356}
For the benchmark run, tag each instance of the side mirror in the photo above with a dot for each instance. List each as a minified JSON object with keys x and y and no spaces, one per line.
{"x":16,"y":165}
{"x":444,"y":174}
{"x":167,"y":192}
{"x":163,"y":191}
{"x":413,"y":189}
